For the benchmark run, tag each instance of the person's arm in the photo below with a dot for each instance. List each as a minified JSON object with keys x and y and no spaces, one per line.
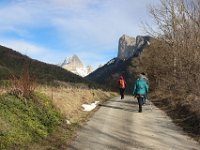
{"x":147,"y":87}
{"x":134,"y":89}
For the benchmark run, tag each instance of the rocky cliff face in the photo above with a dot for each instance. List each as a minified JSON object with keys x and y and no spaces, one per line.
{"x":125,"y":47}
{"x":75,"y":65}
{"x":129,"y":46}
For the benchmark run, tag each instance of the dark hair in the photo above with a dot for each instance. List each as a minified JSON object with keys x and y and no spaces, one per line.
{"x":142,"y":73}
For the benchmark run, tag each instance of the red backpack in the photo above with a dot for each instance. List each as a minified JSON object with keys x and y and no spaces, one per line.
{"x":121,"y":83}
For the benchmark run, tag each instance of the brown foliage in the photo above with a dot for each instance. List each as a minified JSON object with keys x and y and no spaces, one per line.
{"x":23,"y":85}
{"x":173,"y":60}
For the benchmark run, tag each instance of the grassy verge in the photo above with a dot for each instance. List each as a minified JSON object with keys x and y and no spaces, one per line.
{"x":69,"y":102}
{"x":25,"y":121}
{"x":41,"y":121}
{"x":184,"y":111}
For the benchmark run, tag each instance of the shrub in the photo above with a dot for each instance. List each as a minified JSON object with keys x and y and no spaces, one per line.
{"x":23,"y":85}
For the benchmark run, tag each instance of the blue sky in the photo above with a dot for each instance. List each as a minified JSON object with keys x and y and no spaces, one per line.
{"x":51,"y":30}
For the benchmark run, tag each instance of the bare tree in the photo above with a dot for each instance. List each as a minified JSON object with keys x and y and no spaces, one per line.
{"x":178,"y":26}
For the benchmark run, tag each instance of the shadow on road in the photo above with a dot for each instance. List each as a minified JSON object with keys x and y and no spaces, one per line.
{"x":111,"y":104}
{"x":115,"y":107}
{"x":124,"y":101}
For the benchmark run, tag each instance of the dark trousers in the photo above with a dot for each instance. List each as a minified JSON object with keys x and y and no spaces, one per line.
{"x":121,"y":90}
{"x":140,"y":102}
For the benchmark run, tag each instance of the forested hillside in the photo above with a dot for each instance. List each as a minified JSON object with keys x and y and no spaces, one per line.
{"x":12,"y":63}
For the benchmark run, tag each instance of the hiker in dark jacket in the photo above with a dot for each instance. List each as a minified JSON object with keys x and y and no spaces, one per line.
{"x":122,"y":86}
{"x":141,"y":88}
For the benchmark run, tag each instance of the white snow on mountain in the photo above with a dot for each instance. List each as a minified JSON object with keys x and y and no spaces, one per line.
{"x":75,"y":65}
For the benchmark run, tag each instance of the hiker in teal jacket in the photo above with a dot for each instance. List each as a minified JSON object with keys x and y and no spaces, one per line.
{"x":141,"y":88}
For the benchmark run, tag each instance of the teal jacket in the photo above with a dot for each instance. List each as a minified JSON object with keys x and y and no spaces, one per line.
{"x":141,"y":87}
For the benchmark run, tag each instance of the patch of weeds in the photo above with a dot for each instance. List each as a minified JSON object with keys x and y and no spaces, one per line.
{"x":24,"y":123}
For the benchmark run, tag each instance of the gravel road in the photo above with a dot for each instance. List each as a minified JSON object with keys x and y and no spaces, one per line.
{"x":117,"y":125}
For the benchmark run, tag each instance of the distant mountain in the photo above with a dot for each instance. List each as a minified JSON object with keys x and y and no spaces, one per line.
{"x":128,"y":49}
{"x":12,"y":63}
{"x":75,"y":65}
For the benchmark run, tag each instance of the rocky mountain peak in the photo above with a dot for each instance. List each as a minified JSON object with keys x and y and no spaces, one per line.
{"x":75,"y":65}
{"x":130,"y":46}
{"x":89,"y":68}
{"x":72,"y":62}
{"x":125,"y":46}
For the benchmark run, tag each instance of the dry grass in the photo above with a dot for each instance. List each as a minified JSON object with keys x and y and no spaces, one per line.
{"x":69,"y":100}
{"x":2,"y":91}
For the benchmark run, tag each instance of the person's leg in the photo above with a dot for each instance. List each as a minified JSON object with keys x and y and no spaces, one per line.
{"x":140,"y":102}
{"x":121,"y":92}
{"x":144,"y":99}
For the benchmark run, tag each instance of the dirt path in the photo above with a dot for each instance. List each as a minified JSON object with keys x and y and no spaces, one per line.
{"x":117,"y":125}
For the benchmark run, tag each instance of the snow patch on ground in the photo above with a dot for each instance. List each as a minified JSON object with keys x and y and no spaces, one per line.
{"x":68,"y":122}
{"x":90,"y":107}
{"x":111,"y":61}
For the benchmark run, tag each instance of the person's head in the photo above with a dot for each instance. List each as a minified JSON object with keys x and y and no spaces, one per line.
{"x":121,"y":77}
{"x":142,"y":75}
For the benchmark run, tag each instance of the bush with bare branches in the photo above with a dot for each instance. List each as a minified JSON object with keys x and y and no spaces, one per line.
{"x":23,"y":85}
{"x":177,"y":54}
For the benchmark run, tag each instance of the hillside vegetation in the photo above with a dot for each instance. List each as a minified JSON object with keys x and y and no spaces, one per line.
{"x":22,"y":123}
{"x":12,"y":63}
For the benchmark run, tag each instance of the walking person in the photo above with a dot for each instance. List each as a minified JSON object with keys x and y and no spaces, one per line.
{"x":141,"y":88}
{"x":122,"y":86}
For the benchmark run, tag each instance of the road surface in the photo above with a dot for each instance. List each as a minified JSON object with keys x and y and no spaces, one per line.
{"x":117,"y":125}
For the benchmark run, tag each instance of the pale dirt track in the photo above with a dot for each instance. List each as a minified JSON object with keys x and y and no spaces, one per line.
{"x":117,"y":125}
